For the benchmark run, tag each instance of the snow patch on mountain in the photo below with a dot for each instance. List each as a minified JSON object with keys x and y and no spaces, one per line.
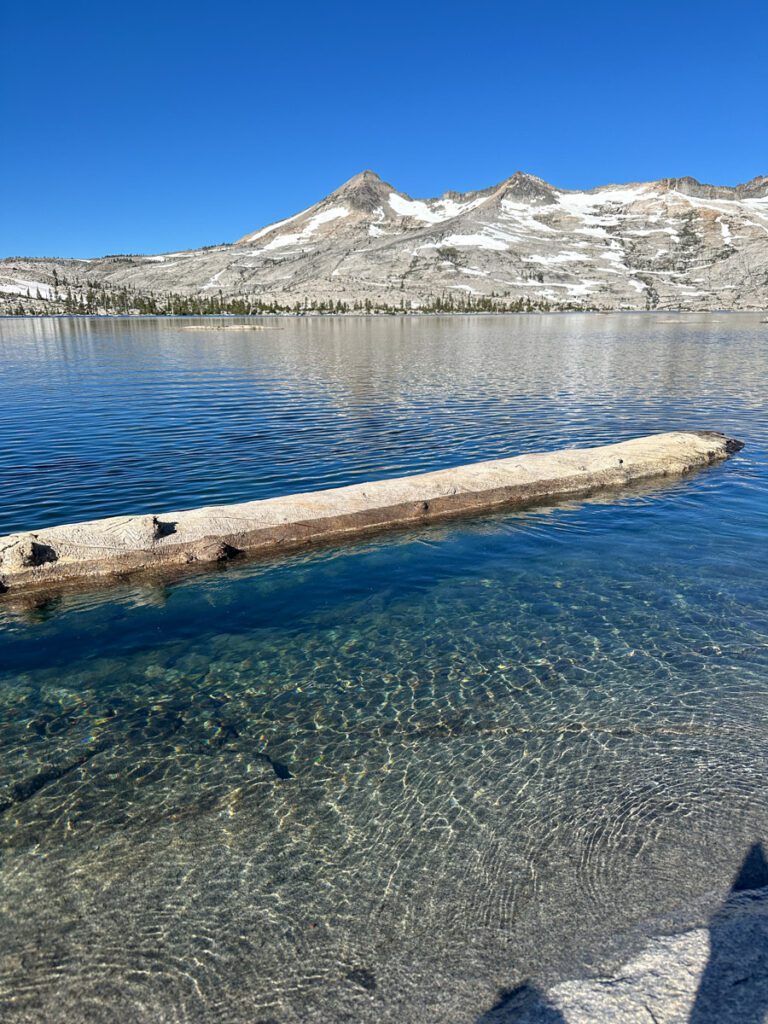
{"x":415,"y":209}
{"x":18,"y":286}
{"x":324,"y":217}
{"x":467,"y":241}
{"x":559,"y":257}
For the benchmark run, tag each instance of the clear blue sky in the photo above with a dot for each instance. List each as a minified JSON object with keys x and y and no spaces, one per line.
{"x":143,"y":127}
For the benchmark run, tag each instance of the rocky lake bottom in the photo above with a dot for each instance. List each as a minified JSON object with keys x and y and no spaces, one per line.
{"x":398,"y":780}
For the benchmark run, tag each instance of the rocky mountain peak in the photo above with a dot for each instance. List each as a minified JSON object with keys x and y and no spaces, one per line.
{"x":669,"y":244}
{"x":757,"y":188}
{"x":689,"y":186}
{"x":364,"y":192}
{"x":366,"y":177}
{"x":524,"y":187}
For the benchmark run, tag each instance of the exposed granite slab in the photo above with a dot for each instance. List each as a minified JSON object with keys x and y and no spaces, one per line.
{"x":124,"y":544}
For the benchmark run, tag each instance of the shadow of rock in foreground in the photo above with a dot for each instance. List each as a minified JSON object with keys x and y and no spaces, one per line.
{"x":734,"y":986}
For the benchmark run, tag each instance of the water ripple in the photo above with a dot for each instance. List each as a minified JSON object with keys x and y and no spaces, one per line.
{"x":383,"y":782}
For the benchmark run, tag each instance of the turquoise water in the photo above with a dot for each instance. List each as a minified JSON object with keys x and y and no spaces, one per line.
{"x":380,"y":782}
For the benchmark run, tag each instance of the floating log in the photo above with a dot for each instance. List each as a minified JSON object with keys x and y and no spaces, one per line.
{"x":126,"y":544}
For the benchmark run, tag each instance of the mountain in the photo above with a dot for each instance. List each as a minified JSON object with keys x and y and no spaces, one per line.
{"x":669,"y":244}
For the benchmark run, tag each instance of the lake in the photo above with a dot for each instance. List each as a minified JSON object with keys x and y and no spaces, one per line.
{"x":386,"y":781}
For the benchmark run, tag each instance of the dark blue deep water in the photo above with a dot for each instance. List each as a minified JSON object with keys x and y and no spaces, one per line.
{"x":386,"y":781}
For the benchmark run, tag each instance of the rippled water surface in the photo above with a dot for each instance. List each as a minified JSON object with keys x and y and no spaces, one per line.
{"x":385,"y":782}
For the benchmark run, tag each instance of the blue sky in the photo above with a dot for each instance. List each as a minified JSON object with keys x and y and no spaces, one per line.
{"x":143,"y":127}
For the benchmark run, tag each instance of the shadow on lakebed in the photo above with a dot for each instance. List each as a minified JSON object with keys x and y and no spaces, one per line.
{"x":676,"y":982}
{"x":524,"y":1003}
{"x":734,"y":986}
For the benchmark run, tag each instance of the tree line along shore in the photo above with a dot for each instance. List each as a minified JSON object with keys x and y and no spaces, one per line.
{"x":81,"y":299}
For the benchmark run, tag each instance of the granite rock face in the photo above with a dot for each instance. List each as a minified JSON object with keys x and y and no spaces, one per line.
{"x":669,"y":244}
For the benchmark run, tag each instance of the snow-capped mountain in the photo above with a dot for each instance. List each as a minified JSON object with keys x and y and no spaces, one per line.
{"x":666,"y":244}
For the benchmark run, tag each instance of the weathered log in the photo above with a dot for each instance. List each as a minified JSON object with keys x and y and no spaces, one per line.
{"x":126,"y":544}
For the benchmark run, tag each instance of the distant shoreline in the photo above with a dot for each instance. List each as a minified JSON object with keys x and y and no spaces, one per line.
{"x":375,"y":314}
